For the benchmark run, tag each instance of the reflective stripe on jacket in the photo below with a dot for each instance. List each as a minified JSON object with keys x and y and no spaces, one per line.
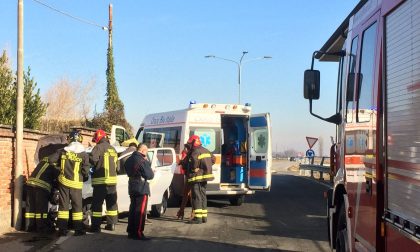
{"x":43,"y":175}
{"x":74,"y":167}
{"x":202,"y":159}
{"x":104,"y":158}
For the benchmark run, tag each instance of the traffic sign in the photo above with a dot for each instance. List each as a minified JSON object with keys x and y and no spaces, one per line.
{"x":311,"y":141}
{"x":310,"y":153}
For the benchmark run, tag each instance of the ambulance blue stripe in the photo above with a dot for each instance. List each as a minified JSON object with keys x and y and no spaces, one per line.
{"x":257,"y":168}
{"x":258,"y":165}
{"x":260,"y":121}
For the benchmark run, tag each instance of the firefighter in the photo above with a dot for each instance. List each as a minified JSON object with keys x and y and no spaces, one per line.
{"x":200,"y":162}
{"x":74,"y":169}
{"x":104,"y":159}
{"x":186,"y":196}
{"x":38,"y":189}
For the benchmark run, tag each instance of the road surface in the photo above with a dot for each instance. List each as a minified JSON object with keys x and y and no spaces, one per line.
{"x":291,"y":217}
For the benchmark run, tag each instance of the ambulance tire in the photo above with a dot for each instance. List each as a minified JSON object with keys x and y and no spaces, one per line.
{"x":237,"y":200}
{"x":160,"y":209}
{"x":341,"y":240}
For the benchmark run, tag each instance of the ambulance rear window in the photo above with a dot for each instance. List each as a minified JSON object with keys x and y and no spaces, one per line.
{"x":210,"y":138}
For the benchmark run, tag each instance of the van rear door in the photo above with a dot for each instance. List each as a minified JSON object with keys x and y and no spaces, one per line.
{"x":259,"y":153}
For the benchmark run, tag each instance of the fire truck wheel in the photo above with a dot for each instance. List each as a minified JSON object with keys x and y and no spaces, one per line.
{"x":329,"y":199}
{"x":341,"y":240}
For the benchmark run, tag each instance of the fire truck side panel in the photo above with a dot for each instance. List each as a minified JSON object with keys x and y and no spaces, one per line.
{"x":396,"y":241}
{"x":402,"y":76}
{"x":360,"y":130}
{"x":377,"y":154}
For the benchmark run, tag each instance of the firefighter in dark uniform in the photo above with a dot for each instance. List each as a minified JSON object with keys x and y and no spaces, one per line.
{"x":104,"y":159}
{"x":74,"y":169}
{"x":138,"y":170}
{"x":200,"y":162}
{"x":38,"y":189}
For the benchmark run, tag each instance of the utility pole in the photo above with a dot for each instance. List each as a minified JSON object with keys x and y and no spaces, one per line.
{"x":18,"y":178}
{"x":110,"y":26}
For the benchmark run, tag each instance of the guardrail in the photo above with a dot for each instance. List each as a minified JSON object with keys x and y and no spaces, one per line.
{"x":321,"y":168}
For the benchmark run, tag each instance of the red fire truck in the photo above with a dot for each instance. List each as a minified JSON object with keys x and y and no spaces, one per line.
{"x":375,"y":201}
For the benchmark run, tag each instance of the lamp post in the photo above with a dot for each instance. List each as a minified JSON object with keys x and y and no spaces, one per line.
{"x":239,"y":64}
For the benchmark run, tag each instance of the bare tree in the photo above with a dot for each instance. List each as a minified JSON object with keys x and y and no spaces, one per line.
{"x":68,"y":101}
{"x":290,"y":153}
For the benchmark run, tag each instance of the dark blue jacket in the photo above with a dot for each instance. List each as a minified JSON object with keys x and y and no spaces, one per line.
{"x":139,"y":171}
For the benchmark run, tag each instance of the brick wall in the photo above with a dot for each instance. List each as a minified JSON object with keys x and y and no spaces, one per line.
{"x":30,"y":141}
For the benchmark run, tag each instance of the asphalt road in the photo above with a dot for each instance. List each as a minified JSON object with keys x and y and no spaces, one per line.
{"x":291,"y":217}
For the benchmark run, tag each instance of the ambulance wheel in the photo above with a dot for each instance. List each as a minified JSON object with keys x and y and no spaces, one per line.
{"x":237,"y":200}
{"x":341,"y":240}
{"x":160,"y":209}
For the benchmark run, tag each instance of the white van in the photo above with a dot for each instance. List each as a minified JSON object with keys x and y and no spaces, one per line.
{"x":163,"y":162}
{"x":219,"y":126}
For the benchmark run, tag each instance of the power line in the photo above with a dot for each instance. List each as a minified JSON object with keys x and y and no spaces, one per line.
{"x":71,"y":16}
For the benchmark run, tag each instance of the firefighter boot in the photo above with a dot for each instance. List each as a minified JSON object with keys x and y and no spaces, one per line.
{"x":196,"y":221}
{"x":62,"y":232}
{"x":204,"y":219}
{"x":110,"y":227}
{"x":79,"y":232}
{"x":95,"y":229}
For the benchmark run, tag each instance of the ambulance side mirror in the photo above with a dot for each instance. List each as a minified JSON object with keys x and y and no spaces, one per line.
{"x":311,"y":84}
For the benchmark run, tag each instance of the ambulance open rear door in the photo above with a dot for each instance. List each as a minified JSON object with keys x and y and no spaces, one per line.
{"x":259,"y":152}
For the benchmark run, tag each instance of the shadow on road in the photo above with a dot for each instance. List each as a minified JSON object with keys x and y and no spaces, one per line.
{"x":295,"y":208}
{"x":93,"y":242}
{"x":23,"y":241}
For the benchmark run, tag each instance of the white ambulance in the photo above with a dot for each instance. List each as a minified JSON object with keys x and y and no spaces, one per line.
{"x":241,"y":143}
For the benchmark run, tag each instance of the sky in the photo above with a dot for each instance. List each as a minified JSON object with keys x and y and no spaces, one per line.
{"x":159,"y":48}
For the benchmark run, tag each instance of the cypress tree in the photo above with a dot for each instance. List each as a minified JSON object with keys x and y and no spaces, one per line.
{"x":114,"y":108}
{"x":112,"y":102}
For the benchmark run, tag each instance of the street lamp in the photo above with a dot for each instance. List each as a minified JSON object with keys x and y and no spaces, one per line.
{"x":239,"y":64}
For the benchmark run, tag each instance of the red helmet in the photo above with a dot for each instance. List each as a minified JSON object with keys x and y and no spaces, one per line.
{"x":99,"y":134}
{"x":194,"y":139}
